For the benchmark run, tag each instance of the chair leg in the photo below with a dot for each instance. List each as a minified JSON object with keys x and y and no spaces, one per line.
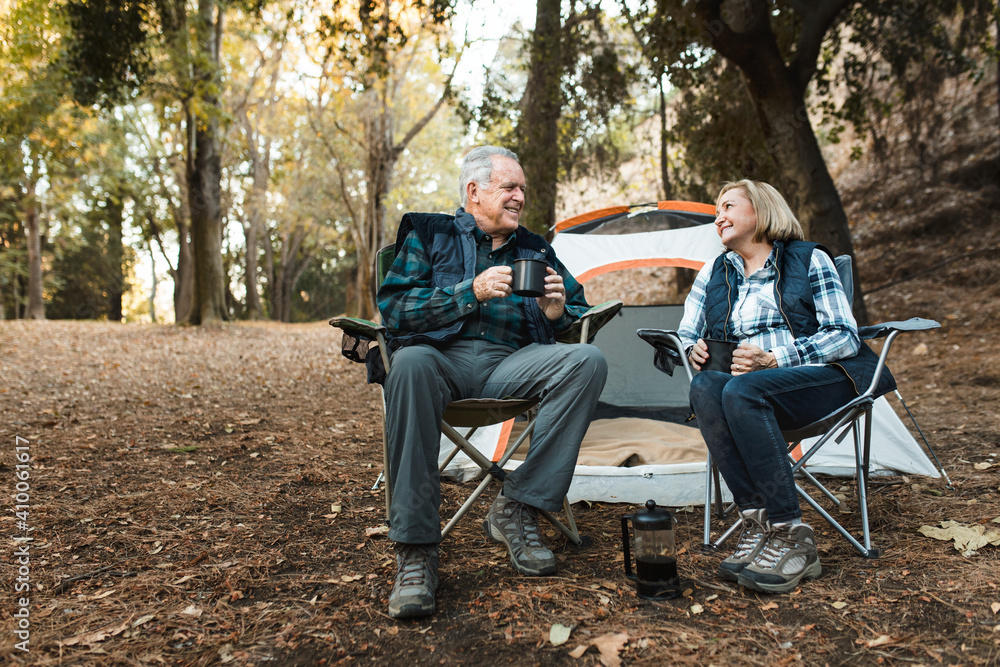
{"x":706,"y":541}
{"x":466,"y":506}
{"x":867,"y":552}
{"x":571,"y":532}
{"x":385,"y":463}
{"x":861,"y":456}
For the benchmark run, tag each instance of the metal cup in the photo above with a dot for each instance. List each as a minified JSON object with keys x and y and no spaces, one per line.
{"x":529,"y":277}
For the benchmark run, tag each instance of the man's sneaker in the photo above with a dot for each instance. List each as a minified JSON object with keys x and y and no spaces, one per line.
{"x":751,"y":540}
{"x":516,"y":525}
{"x":416,"y":581}
{"x":787,"y":557}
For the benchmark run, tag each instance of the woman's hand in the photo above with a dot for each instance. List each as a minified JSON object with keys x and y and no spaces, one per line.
{"x":698,"y":354}
{"x":749,"y":357}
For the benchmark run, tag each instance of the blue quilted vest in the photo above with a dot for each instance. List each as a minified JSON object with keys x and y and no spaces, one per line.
{"x":795,"y":300}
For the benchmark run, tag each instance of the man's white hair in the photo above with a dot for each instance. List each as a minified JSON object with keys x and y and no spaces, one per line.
{"x":478,"y":167}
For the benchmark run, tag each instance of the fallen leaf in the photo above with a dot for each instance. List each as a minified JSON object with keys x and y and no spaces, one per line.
{"x":968,"y":539}
{"x":839,"y":604}
{"x":609,"y":645}
{"x":582,"y":648}
{"x":985,"y":465}
{"x":995,"y":607}
{"x":881,"y":640}
{"x":142,"y":620}
{"x":377,"y":531}
{"x":697,"y":608}
{"x":192,"y":611}
{"x":769,"y":605}
{"x":559,"y":634}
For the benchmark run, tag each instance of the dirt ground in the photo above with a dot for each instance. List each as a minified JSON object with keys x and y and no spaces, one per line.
{"x":203,"y":496}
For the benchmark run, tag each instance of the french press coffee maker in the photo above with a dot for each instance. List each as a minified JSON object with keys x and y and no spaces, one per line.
{"x":655,"y":574}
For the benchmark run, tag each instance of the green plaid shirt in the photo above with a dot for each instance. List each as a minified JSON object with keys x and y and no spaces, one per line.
{"x":409,"y":302}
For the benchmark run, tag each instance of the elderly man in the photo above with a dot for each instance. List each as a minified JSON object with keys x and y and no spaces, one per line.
{"x":458,"y":331}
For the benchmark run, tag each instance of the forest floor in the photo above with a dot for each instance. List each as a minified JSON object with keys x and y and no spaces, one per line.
{"x":203,"y":496}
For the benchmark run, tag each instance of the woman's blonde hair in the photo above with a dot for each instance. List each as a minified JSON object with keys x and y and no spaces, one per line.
{"x":775,"y":220}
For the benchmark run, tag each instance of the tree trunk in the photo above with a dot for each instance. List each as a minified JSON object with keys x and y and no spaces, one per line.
{"x":668,"y":192}
{"x":382,"y":156}
{"x":36,"y":304}
{"x":116,"y":257}
{"x":184,"y":275}
{"x":204,"y":181}
{"x":269,"y":269}
{"x":260,"y":169}
{"x":541,"y":107}
{"x":152,"y":291}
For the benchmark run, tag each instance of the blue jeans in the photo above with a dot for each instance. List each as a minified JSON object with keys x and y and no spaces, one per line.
{"x":741,"y":419}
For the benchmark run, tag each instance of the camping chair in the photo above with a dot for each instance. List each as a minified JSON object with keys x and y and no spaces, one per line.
{"x":855,"y":417}
{"x":472,"y":413}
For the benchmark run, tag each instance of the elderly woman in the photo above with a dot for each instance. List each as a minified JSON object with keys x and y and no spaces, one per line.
{"x":799,"y":358}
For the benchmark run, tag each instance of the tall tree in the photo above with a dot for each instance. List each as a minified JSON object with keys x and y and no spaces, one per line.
{"x":541,"y":110}
{"x":380,"y":47}
{"x":205,"y":172}
{"x":33,"y":91}
{"x":565,"y":122}
{"x":112,"y":43}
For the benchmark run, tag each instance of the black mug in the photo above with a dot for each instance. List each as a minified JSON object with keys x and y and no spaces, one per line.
{"x":720,"y":355}
{"x":529,"y":277}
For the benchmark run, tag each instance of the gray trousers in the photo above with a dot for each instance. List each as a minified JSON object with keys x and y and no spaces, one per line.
{"x":423,"y":379}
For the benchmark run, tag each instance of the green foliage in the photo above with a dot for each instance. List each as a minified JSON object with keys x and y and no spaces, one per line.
{"x":86,"y":272}
{"x":596,"y":94}
{"x":108,"y":49}
{"x":366,"y":34}
{"x":324,"y":288}
{"x":894,"y":57}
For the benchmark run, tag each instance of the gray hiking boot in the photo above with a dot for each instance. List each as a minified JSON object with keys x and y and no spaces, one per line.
{"x":788,"y":557}
{"x":416,"y":581}
{"x":751,"y":540}
{"x":516,"y":525}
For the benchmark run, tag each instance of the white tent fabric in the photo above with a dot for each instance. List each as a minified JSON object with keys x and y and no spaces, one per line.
{"x":587,"y":254}
{"x":679,"y":484}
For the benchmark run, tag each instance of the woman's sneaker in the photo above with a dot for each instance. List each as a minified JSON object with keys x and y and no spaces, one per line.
{"x":751,"y":540}
{"x":787,"y":557}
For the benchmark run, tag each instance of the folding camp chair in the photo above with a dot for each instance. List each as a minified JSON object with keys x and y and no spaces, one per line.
{"x":855,"y":417}
{"x":468,"y":413}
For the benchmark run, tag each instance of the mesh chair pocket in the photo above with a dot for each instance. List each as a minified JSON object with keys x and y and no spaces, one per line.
{"x":355,"y":348}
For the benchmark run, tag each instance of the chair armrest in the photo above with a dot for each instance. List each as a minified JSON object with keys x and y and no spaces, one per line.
{"x":585,"y":329}
{"x":358,"y":334}
{"x":669,"y":350}
{"x":358,"y":327}
{"x":883,"y":329}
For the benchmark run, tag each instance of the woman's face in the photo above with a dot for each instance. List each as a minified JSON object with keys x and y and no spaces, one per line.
{"x":735,"y":219}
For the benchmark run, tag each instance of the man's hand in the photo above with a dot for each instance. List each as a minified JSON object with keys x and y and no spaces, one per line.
{"x":749,"y":357}
{"x":553,"y":303}
{"x":495,"y":282}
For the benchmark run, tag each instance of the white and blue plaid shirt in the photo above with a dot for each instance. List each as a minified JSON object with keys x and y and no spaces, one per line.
{"x":757,"y":320}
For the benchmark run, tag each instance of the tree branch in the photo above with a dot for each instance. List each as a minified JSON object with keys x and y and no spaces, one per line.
{"x":817,"y":18}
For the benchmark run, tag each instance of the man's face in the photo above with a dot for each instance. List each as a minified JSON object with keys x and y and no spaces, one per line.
{"x":497,"y":207}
